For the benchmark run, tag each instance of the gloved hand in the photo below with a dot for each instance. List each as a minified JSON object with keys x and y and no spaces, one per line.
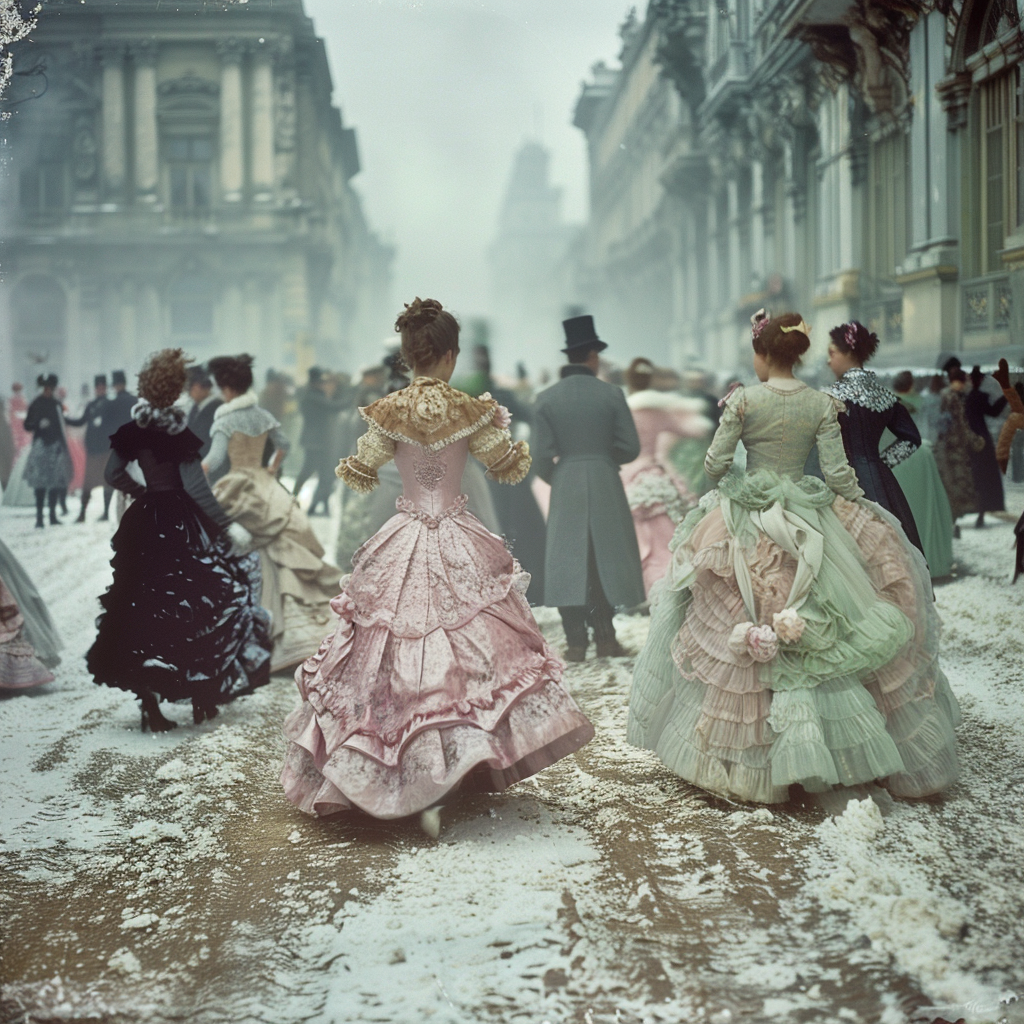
{"x":241,"y":539}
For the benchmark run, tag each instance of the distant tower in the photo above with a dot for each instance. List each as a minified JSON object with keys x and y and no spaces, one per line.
{"x":529,"y":275}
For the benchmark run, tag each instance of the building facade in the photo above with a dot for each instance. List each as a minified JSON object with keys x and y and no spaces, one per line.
{"x":854,"y":159}
{"x":182,"y":178}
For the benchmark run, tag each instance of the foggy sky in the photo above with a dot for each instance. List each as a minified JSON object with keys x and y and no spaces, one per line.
{"x":442,"y":94}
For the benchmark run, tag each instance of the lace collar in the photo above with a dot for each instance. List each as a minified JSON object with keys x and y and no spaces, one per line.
{"x":861,"y":387}
{"x":170,"y":420}
{"x":246,"y":401}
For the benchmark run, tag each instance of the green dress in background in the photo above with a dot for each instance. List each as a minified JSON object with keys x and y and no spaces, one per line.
{"x":794,"y":638}
{"x":919,"y":478}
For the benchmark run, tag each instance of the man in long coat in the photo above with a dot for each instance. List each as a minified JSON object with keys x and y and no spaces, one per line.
{"x":204,"y":406}
{"x":97,"y":419}
{"x":582,"y":432}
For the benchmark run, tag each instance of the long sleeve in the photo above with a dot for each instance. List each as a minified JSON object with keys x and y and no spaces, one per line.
{"x":908,"y":437}
{"x":835,"y":467}
{"x":626,"y":442}
{"x":1014,"y":422}
{"x":373,"y":450}
{"x":117,"y":476}
{"x":507,"y":462}
{"x":217,"y":456}
{"x":542,"y":443}
{"x":79,"y":421}
{"x":730,"y":428}
{"x":195,"y":482}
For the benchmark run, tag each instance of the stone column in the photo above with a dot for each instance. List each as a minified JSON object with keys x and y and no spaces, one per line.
{"x":232,"y":156}
{"x":147,"y":167}
{"x":758,"y":258}
{"x":737,"y":286}
{"x":262,"y":111}
{"x":112,"y":57}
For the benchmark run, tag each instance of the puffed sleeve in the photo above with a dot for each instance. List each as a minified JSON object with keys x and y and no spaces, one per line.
{"x":835,"y":467}
{"x":908,"y":437}
{"x":507,"y":462}
{"x":373,"y":450}
{"x":217,"y":456}
{"x":730,"y":429}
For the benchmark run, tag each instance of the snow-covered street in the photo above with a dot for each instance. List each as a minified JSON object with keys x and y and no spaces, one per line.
{"x":165,"y":878}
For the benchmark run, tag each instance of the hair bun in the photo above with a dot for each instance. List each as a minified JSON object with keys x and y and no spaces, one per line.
{"x":418,"y":314}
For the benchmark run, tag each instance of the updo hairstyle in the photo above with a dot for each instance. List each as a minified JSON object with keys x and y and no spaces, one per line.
{"x":233,"y":372}
{"x":162,"y":379}
{"x":781,"y":348}
{"x":428,"y":332}
{"x":639,"y":374}
{"x":854,"y":338}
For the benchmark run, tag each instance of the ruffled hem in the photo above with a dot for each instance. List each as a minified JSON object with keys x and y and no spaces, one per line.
{"x":20,"y":669}
{"x":540,"y":729}
{"x":858,"y":696}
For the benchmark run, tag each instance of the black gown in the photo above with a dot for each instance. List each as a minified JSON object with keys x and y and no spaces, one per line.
{"x":988,"y":480}
{"x":871,"y":408}
{"x":182,"y":617}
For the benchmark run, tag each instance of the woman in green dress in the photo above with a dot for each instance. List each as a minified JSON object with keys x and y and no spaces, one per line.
{"x":794,"y":639}
{"x":918,"y":476}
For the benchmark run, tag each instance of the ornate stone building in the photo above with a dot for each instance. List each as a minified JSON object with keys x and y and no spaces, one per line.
{"x":848,"y":159}
{"x":183,"y":179}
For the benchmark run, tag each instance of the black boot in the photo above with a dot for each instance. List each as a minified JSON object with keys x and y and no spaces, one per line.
{"x":54,"y":496}
{"x":152,"y":718}
{"x":40,"y":503}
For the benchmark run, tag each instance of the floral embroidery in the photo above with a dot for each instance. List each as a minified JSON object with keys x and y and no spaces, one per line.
{"x":403,"y":504}
{"x":429,"y":468}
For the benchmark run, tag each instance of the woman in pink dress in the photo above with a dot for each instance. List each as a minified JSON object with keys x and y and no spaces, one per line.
{"x":658,"y":496}
{"x":436,"y":676}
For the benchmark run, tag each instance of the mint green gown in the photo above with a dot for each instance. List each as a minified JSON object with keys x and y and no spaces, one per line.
{"x":918,"y":477}
{"x":794,"y":638}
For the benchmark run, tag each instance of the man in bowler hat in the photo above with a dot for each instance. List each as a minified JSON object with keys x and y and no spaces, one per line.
{"x":582,"y":432}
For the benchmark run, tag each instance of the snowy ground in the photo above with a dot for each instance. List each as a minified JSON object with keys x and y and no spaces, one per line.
{"x":165,"y":878}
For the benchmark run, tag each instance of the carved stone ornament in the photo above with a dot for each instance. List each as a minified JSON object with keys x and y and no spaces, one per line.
{"x":682,"y":26}
{"x":83,"y":150}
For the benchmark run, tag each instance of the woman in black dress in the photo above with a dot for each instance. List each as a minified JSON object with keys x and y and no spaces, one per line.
{"x":988,"y":481}
{"x":181,"y":619}
{"x":48,"y":469}
{"x":871,"y":408}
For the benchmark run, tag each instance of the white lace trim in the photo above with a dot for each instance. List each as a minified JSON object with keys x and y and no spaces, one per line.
{"x":171,"y":420}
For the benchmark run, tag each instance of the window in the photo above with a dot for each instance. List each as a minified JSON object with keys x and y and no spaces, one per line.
{"x":42,"y":188}
{"x":887,"y":206}
{"x":998,"y":130}
{"x":189,"y":166}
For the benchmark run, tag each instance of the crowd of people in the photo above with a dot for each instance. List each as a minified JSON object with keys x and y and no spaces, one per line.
{"x":783,"y":540}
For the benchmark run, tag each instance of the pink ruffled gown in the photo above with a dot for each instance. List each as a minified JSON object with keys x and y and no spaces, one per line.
{"x":658,"y":498}
{"x":437,"y":675}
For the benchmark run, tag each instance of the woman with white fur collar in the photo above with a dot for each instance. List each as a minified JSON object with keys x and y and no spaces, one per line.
{"x":297,"y":584}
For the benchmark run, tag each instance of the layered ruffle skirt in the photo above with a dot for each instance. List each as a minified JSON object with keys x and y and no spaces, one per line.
{"x":435,"y":678}
{"x":794,"y":639}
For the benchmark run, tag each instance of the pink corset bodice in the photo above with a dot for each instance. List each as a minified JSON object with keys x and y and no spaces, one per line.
{"x":432,"y":481}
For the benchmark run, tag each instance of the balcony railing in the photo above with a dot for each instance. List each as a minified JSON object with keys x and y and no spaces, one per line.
{"x":986,"y":304}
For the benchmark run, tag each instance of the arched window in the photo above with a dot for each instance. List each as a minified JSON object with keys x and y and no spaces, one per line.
{"x":39,"y":312}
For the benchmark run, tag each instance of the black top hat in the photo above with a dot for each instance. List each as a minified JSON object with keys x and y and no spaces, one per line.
{"x":118,"y":377}
{"x":100,"y":378}
{"x":580,"y":334}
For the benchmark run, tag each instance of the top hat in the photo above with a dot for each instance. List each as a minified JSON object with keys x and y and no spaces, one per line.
{"x":316,"y":374}
{"x":100,"y":378}
{"x":118,"y":377}
{"x":580,"y":334}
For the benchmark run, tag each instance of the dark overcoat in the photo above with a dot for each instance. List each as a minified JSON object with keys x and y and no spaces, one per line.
{"x":585,"y":424}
